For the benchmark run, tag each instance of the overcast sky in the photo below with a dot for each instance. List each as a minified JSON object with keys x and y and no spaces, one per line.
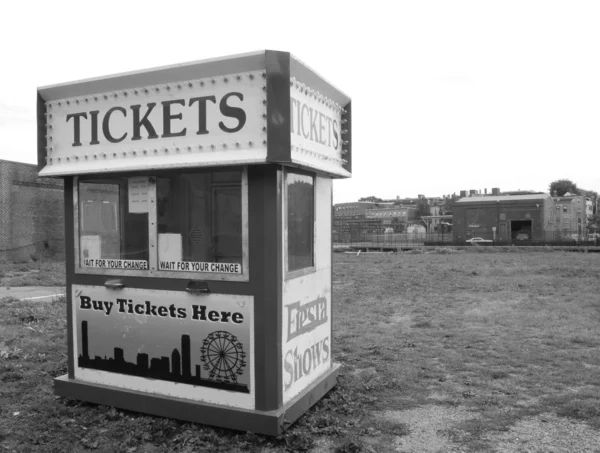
{"x":446,"y":95}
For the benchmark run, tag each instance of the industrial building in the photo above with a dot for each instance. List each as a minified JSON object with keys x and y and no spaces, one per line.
{"x":402,"y":213}
{"x":354,"y":208}
{"x":503,"y":218}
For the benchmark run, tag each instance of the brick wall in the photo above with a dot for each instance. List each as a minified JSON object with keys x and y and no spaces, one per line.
{"x":31,"y":214}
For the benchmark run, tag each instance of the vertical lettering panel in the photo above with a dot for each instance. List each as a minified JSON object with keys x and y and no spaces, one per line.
{"x":306,"y":331}
{"x":306,"y":313}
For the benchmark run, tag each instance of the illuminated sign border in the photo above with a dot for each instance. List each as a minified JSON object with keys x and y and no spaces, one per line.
{"x":276,"y":75}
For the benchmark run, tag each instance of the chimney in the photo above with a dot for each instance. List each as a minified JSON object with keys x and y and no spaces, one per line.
{"x":485,"y":191}
{"x":554,"y":193}
{"x":495,"y":191}
{"x":472,"y":192}
{"x":463,"y":193}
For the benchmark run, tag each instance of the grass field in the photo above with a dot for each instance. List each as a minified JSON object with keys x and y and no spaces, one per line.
{"x":34,"y":273}
{"x":479,"y":350}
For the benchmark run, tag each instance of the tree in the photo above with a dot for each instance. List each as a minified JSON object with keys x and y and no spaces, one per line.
{"x":371,"y":199}
{"x":593,"y":223}
{"x":422,"y":207}
{"x":448,"y":202}
{"x":398,"y":225}
{"x":562,"y":186}
{"x":592,"y":195}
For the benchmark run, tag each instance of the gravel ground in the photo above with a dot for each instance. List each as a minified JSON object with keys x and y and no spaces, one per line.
{"x":547,"y":433}
{"x":426,"y":425}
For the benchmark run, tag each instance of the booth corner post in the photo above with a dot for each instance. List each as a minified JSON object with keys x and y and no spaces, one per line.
{"x":198,"y":214}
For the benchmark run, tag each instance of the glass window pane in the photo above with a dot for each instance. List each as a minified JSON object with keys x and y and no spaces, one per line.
{"x":300,"y":220}
{"x":200,"y":222}
{"x":113,"y":230}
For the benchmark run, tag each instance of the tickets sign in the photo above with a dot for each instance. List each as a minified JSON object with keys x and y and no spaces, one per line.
{"x":193,"y":122}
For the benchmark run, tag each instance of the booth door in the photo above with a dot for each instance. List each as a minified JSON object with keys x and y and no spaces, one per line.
{"x":227,"y":224}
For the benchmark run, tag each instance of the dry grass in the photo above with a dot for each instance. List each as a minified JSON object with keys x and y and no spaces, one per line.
{"x":441,"y":351}
{"x":504,"y":335}
{"x":33,"y":273}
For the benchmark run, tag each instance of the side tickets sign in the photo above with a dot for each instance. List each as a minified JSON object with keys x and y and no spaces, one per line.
{"x":317,"y":134}
{"x":167,"y":342}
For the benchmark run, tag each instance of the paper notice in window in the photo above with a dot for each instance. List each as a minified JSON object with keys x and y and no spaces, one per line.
{"x":138,"y":195}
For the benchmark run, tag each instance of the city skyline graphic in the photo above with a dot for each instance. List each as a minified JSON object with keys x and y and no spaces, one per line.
{"x":221,"y":354}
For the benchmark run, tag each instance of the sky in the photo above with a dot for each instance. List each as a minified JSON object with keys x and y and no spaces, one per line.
{"x":446,"y":95}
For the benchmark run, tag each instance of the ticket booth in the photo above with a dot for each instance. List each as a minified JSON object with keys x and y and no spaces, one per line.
{"x":198,"y":207}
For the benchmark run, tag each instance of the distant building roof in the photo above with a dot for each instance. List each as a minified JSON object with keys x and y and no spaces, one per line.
{"x":488,"y":198}
{"x":433,"y":217}
{"x":521,"y":192}
{"x":567,"y":198}
{"x":355,"y":203}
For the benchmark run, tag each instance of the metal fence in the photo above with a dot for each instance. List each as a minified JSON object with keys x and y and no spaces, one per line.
{"x":364,"y":239}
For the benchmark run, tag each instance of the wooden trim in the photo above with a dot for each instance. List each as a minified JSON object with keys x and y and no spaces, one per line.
{"x":310,"y":77}
{"x":69,"y":268}
{"x":153,"y":271}
{"x":297,"y":406}
{"x":171,"y":407}
{"x":279,"y":139}
{"x":170,"y":284}
{"x":347,"y":137}
{"x":254,"y":61}
{"x":290,"y":275}
{"x":41,"y":133}
{"x":331,"y":292}
{"x":277,"y":317}
{"x":152,"y":225}
{"x":272,"y":423}
{"x":265,"y":277}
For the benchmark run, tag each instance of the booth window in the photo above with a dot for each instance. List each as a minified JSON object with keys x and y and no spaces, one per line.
{"x":113,"y":223}
{"x":300,"y":190}
{"x":199,"y":220}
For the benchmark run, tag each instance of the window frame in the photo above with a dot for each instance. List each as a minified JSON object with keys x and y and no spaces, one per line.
{"x":289,"y":275}
{"x":153,"y":270}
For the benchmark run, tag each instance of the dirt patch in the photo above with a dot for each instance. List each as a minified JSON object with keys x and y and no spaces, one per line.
{"x":546,"y":433}
{"x":426,"y":427}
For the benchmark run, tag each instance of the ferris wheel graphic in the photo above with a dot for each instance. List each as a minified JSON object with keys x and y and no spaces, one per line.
{"x":223,"y":356}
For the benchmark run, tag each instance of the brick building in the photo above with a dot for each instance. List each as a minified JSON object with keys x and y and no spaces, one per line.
{"x":354,"y":208}
{"x":570,"y":214}
{"x":31,"y":213}
{"x":505,"y":218}
{"x":403,"y":213}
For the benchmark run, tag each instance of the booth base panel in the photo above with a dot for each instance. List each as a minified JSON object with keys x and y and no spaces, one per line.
{"x":271,"y":423}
